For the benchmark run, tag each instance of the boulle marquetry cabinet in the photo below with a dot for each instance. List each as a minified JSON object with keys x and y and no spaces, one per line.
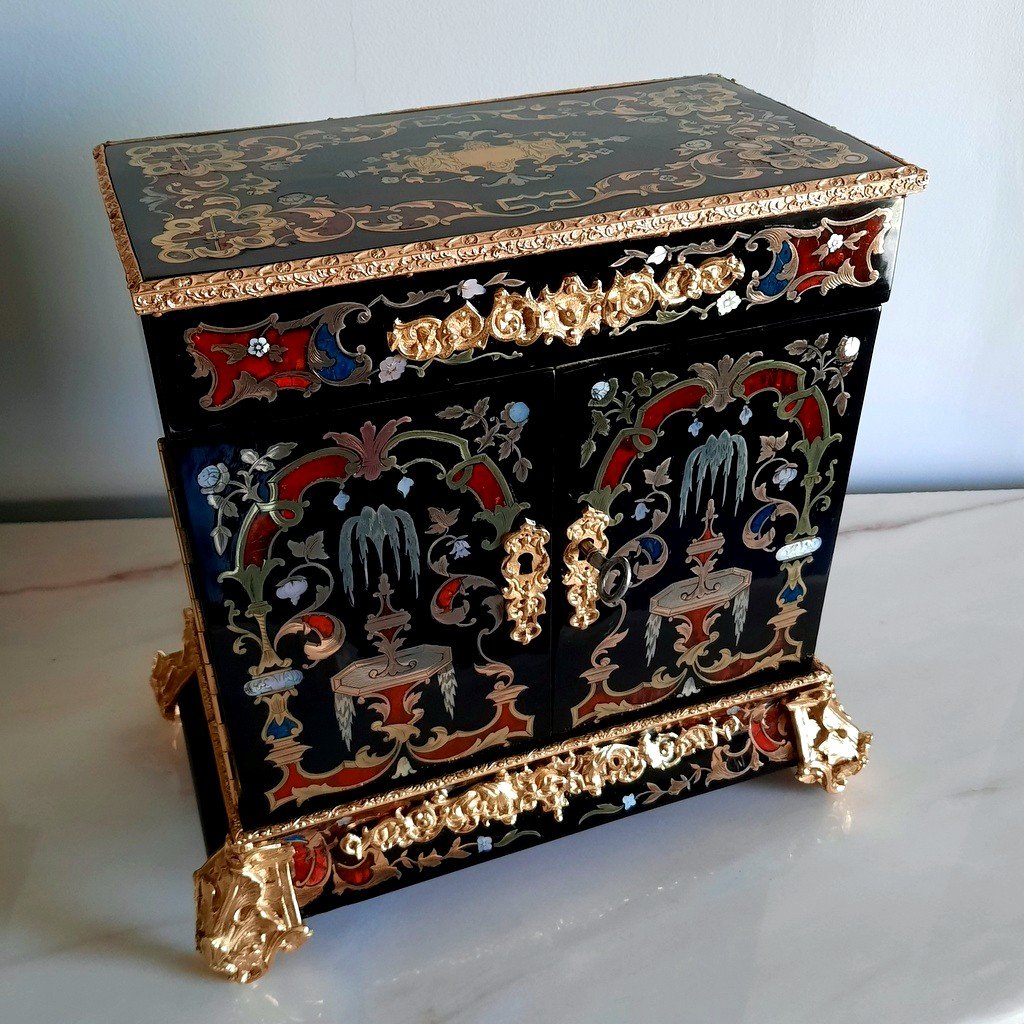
{"x":506,"y":444}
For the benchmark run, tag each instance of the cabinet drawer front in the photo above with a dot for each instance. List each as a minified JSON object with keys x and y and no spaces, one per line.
{"x":709,"y":479}
{"x":350,"y":571}
{"x":395,"y":338}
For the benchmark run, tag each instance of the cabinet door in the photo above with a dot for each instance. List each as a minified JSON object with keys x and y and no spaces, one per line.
{"x":355,"y":582}
{"x":704,"y":484}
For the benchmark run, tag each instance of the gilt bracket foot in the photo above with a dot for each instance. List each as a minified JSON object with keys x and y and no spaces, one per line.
{"x":171,"y":671}
{"x":246,"y":909}
{"x":830,"y":748}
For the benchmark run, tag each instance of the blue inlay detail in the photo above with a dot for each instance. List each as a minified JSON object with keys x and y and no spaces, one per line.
{"x":770,"y":284}
{"x":327,"y":343}
{"x":761,"y":516}
{"x":283,"y":729}
{"x":652,"y":546}
{"x":519,"y":412}
{"x":791,"y":594}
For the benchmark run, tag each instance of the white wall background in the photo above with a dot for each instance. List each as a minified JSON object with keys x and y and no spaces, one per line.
{"x":938,"y":82}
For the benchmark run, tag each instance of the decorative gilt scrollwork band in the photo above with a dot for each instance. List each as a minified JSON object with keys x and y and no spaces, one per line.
{"x":623,"y":732}
{"x":246,"y":909}
{"x":525,"y":587}
{"x":566,"y":315}
{"x":549,"y":786}
{"x":582,"y":578}
{"x":829,"y":747}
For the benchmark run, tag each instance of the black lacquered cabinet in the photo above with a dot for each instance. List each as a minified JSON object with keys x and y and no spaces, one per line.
{"x":507,"y":446}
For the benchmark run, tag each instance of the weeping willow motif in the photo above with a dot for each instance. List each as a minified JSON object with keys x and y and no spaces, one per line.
{"x":345,"y":711}
{"x":448,"y":683}
{"x":385,"y":529}
{"x":714,"y":457}
{"x":654,"y":622}
{"x":739,"y":612}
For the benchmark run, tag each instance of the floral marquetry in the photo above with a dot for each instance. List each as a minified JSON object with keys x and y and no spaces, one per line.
{"x":469,"y":327}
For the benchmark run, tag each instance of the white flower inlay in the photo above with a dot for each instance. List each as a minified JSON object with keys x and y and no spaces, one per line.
{"x":292,"y":589}
{"x":258,"y":347}
{"x":727,"y":302}
{"x":470,"y":287}
{"x":785,"y":476}
{"x":392,"y":368}
{"x":835,"y":242}
{"x":659,"y":255}
{"x":848,"y":348}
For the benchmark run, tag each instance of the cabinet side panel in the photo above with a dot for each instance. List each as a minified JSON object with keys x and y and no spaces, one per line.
{"x":212,"y":816}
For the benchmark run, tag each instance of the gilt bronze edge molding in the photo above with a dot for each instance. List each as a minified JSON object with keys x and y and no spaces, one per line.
{"x":169,"y":294}
{"x":118,"y":228}
{"x":820,"y":677}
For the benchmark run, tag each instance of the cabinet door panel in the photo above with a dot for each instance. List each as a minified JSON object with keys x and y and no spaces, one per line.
{"x":349,"y":570}
{"x":712,"y":475}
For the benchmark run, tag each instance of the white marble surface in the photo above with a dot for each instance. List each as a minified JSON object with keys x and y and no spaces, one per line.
{"x":900,"y":900}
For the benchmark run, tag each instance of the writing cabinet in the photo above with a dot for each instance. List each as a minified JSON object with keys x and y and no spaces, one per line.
{"x":507,"y":445}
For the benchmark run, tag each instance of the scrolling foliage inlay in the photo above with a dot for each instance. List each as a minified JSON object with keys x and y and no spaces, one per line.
{"x":218,"y":196}
{"x":333,"y":345}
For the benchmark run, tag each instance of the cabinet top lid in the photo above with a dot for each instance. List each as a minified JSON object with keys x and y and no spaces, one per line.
{"x":204,"y":219}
